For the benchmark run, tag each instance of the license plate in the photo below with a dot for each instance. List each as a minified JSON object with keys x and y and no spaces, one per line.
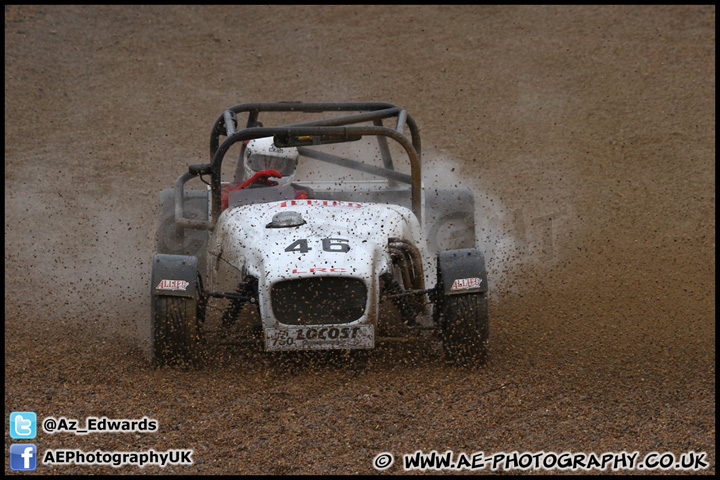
{"x":320,"y":337}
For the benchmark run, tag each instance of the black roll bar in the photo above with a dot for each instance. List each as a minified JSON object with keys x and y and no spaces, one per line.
{"x":376,"y":110}
{"x":339,"y":132}
{"x":340,"y":128}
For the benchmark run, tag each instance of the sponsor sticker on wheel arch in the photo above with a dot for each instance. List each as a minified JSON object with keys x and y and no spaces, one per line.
{"x":172,"y":285}
{"x":466,"y":283}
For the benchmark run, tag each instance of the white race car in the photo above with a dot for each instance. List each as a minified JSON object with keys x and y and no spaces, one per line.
{"x":328,"y":264}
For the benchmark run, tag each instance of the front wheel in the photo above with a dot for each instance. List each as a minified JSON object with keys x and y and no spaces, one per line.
{"x":175,"y":331}
{"x":465,"y":327}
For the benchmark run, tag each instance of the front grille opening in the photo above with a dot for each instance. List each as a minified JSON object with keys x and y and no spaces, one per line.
{"x":319,"y":301}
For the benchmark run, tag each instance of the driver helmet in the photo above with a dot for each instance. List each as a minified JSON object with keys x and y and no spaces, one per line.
{"x":262,"y":154}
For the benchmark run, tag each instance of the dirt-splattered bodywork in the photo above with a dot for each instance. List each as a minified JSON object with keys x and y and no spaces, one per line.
{"x":335,"y":239}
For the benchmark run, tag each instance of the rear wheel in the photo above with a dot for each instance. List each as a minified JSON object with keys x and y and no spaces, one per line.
{"x":191,"y":241}
{"x":453,"y":231}
{"x":175,"y":331}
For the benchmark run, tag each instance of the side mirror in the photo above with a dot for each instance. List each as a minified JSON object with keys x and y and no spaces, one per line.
{"x":200,"y":169}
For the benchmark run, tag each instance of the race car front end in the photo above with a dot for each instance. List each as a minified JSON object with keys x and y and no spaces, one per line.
{"x":318,"y":266}
{"x":322,"y":304}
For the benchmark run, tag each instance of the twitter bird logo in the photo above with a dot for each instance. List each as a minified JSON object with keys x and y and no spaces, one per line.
{"x":23,"y":425}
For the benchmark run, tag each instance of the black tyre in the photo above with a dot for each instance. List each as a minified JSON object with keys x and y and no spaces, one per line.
{"x":465,"y":328}
{"x":453,"y":231}
{"x":449,"y":218}
{"x":175,"y":331}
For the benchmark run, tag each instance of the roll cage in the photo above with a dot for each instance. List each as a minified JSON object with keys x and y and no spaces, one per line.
{"x":301,"y":135}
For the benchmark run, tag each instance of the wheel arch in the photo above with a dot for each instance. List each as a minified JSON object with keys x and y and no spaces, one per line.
{"x":175,"y":275}
{"x":459,"y":271}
